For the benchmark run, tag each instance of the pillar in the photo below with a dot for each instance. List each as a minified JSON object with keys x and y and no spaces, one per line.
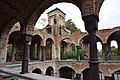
{"x":58,"y":52}
{"x":25,"y":58}
{"x":86,"y":53}
{"x":56,"y":73}
{"x":38,"y":51}
{"x":78,"y":55}
{"x":13,"y":52}
{"x":3,"y":49}
{"x":106,"y":50}
{"x":118,"y":43}
{"x":91,"y":26}
{"x":43,"y":53}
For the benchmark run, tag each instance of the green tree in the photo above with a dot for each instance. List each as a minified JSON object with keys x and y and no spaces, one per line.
{"x":114,"y":55}
{"x":70,"y":25}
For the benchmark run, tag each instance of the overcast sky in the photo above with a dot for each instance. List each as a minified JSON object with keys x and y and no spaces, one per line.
{"x":109,"y":15}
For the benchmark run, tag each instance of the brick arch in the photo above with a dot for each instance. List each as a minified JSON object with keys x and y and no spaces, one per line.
{"x":79,"y":40}
{"x":87,"y":35}
{"x":40,"y":37}
{"x":4,"y":36}
{"x":73,"y":43}
{"x":66,"y":72}
{"x":100,"y":39}
{"x":53,"y":41}
{"x":47,"y":71}
{"x":113,"y":71}
{"x":35,"y":48}
{"x":16,"y":27}
{"x":62,"y":39}
{"x":37,"y":70}
{"x":111,"y":32}
{"x":66,"y":66}
{"x":48,"y":67}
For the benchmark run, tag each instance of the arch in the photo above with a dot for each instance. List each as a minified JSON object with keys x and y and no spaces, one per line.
{"x":4,"y":36}
{"x":63,"y":48}
{"x":49,"y":49}
{"x":35,"y":48}
{"x":85,"y":39}
{"x":84,"y":45}
{"x":50,"y":71}
{"x":86,"y":74}
{"x":116,"y":75}
{"x":66,"y":72}
{"x":116,"y":37}
{"x":16,"y":41}
{"x":37,"y":70}
{"x":50,"y":39}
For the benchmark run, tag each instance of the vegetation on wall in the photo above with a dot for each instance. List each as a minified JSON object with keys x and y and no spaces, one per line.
{"x":72,"y":53}
{"x":113,"y":54}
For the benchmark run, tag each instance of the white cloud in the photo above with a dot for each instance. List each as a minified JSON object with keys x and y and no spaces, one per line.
{"x":109,"y":14}
{"x":72,"y":12}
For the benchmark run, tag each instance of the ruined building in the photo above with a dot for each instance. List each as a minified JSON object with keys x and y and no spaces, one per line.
{"x":42,"y":51}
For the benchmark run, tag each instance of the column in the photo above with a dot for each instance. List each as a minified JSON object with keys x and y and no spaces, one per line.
{"x":25,"y":58}
{"x":106,"y":50}
{"x":56,"y":73}
{"x":38,"y":51}
{"x":118,"y":43}
{"x":91,"y":26}
{"x":13,"y":52}
{"x":3,"y":50}
{"x":43,"y":53}
{"x":78,"y":54}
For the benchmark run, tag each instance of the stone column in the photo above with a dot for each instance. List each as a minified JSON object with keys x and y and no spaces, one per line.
{"x":56,"y":73}
{"x":106,"y":50}
{"x":38,"y":52}
{"x":53,"y":52}
{"x":25,"y":58}
{"x":58,"y":53}
{"x":91,"y":26}
{"x":118,"y":43}
{"x":43,"y":53}
{"x":78,"y":55}
{"x":13,"y":52}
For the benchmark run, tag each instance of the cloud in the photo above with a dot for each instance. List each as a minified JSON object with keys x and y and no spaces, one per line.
{"x":109,"y":14}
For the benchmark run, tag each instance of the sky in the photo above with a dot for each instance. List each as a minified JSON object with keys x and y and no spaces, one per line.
{"x":109,"y":15}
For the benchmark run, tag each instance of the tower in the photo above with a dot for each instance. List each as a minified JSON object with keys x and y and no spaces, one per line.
{"x":56,"y":17}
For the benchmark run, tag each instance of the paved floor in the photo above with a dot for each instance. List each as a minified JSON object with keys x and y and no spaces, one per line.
{"x":42,"y":77}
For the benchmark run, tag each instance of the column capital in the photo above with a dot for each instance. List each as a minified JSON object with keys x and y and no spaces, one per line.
{"x":27,"y":37}
{"x":91,"y":22}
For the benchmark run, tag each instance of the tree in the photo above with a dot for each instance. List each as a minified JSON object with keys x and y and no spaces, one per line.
{"x":114,"y":55}
{"x":70,"y":25}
